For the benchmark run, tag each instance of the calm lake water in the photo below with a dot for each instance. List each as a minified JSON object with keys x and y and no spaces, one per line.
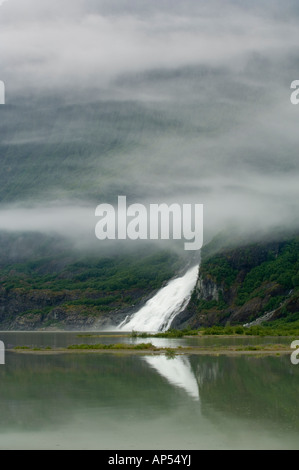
{"x":108,"y":401}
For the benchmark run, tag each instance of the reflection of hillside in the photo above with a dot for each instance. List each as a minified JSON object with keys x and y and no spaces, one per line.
{"x":206,"y":373}
{"x":257,"y":388}
{"x":42,"y":391}
{"x":177,"y":371}
{"x":46,"y":392}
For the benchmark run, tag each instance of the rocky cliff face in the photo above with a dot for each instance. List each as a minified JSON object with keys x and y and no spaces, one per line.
{"x":207,"y":289}
{"x":242,"y":284}
{"x":40,"y":309}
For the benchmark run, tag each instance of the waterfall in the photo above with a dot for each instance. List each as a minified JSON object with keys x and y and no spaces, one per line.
{"x":158,"y":312}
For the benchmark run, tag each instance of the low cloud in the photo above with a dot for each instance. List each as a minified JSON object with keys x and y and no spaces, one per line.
{"x":160,"y":101}
{"x":49,"y":45}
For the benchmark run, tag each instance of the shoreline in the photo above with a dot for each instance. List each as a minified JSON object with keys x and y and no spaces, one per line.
{"x":115,"y":334}
{"x":172,"y":352}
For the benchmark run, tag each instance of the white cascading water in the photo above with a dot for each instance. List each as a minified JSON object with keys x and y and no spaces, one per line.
{"x":158,"y":312}
{"x":177,"y":371}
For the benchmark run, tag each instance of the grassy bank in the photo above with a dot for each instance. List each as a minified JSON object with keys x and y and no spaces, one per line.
{"x":277,"y":328}
{"x":149,"y":348}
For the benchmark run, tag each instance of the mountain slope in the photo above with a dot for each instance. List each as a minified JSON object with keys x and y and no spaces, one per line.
{"x":44,"y":283}
{"x":239,"y":285}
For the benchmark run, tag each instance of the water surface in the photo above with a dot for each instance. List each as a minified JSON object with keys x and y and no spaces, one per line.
{"x":90,"y":401}
{"x":64,"y":339}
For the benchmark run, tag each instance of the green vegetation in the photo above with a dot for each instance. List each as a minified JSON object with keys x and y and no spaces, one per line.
{"x":172,"y":333}
{"x":219,"y":268}
{"x":219,"y":304}
{"x":140,"y":347}
{"x":280,"y":268}
{"x":240,"y":284}
{"x":170,"y":353}
{"x":108,"y":275}
{"x":278,"y":328}
{"x":258,"y":330}
{"x":263,"y":347}
{"x":50,"y":289}
{"x":28,"y":348}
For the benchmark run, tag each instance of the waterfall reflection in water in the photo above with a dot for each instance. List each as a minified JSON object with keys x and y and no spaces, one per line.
{"x":177,"y":371}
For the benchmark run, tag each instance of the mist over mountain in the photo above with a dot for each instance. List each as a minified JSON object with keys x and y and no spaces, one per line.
{"x":158,"y":101}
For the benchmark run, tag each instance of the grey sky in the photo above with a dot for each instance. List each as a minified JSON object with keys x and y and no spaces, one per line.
{"x":210,"y":80}
{"x":67,"y":42}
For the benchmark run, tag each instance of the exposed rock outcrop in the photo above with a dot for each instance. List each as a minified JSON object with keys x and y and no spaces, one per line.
{"x":243,"y":284}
